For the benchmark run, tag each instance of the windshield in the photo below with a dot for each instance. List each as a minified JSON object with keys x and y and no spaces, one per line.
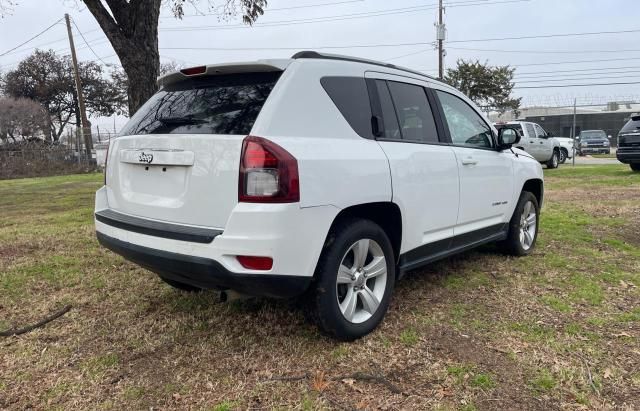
{"x":631,"y":126}
{"x":226,"y":104}
{"x":593,"y":135}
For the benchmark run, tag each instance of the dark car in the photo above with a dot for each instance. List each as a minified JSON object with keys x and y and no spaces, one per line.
{"x":593,"y":142}
{"x":629,"y":144}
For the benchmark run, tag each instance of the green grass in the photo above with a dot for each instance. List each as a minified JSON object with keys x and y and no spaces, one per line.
{"x":409,"y":337}
{"x":544,"y":381}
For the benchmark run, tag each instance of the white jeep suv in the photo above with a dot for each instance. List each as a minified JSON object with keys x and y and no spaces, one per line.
{"x":320,"y":175}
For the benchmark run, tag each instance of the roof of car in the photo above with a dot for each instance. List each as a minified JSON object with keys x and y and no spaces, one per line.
{"x":277,"y":65}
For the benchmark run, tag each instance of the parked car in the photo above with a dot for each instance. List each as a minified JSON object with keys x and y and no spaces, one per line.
{"x":536,"y":141}
{"x":566,"y":148}
{"x":628,"y":151}
{"x":593,"y":142}
{"x":320,"y":175}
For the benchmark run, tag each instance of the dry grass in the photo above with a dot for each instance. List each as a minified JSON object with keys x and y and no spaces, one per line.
{"x":558,"y":329}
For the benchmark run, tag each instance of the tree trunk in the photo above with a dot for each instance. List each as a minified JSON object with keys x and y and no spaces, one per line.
{"x":132,"y":29}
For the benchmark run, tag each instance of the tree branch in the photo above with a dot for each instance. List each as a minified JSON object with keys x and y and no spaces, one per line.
{"x":40,"y":323}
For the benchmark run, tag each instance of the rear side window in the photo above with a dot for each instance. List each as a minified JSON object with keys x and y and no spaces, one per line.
{"x":632,"y":125}
{"x":351,"y":97}
{"x":226,"y":104}
{"x":391,"y":127}
{"x":414,"y":112}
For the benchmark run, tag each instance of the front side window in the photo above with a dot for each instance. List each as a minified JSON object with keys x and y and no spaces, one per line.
{"x":225,"y":104}
{"x":540,"y":131}
{"x":467,"y":128}
{"x":414,"y":112}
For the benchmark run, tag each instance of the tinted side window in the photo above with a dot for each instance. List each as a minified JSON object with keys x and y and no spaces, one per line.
{"x":351,"y":97}
{"x":467,"y":128}
{"x":414,"y":112}
{"x":391,"y":127}
{"x":225,"y":104}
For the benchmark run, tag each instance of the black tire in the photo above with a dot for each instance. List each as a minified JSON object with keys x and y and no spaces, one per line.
{"x":325,"y":310}
{"x":554,"y":161}
{"x":513,"y":245}
{"x":635,"y":166}
{"x":181,"y":286}
{"x":564,"y":154}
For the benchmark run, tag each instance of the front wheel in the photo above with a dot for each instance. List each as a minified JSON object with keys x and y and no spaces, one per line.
{"x":354,"y":280}
{"x":554,"y":160}
{"x":563,"y":155}
{"x":523,"y":227}
{"x":635,"y":166}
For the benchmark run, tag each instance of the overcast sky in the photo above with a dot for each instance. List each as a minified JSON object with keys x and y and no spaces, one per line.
{"x":290,"y":25}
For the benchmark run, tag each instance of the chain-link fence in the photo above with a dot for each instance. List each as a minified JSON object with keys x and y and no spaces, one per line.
{"x":21,"y":162}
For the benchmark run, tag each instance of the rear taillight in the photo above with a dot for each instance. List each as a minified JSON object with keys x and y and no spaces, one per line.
{"x":268,"y":173}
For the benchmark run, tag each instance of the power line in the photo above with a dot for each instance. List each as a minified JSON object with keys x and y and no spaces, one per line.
{"x":574,"y":78}
{"x":566,"y":73}
{"x":548,"y":51}
{"x":335,"y":3}
{"x":545,"y":36}
{"x":87,"y":43}
{"x":575,"y":70}
{"x":32,"y":38}
{"x":340,"y":17}
{"x":578,"y":85}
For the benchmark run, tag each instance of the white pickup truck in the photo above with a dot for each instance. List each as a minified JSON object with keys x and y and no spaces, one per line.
{"x":536,"y":141}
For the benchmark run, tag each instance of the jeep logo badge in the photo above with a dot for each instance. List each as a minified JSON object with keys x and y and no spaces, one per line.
{"x":145,"y":158}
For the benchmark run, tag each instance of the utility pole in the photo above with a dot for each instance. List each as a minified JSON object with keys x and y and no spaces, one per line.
{"x":86,"y":127}
{"x":573,"y":132}
{"x":440,"y":35}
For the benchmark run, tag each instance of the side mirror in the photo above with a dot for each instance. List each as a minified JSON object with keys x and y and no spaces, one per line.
{"x":507,"y":137}
{"x":549,"y":134}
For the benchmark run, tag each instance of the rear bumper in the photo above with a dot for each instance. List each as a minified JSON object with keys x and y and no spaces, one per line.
{"x":205,"y":272}
{"x":628,"y":156}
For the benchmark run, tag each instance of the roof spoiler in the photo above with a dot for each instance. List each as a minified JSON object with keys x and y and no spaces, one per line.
{"x":260,"y":66}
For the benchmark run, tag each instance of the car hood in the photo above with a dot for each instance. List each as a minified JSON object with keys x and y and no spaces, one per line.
{"x":522,"y":153}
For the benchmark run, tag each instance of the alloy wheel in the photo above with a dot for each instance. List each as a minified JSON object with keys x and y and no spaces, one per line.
{"x":528,"y":225}
{"x":361,"y":280}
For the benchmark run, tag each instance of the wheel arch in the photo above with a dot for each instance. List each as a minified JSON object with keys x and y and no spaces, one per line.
{"x":386,"y":214}
{"x":536,"y":187}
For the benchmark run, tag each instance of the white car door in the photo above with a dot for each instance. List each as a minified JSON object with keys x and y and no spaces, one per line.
{"x":545,"y":143}
{"x":486,"y":174}
{"x":423,"y":168}
{"x":532,"y":145}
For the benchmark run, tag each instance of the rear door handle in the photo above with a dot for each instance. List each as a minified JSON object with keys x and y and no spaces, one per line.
{"x":469,"y":161}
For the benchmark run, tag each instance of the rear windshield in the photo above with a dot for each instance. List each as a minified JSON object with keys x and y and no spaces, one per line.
{"x":593,"y":135}
{"x":632,"y":125}
{"x":226,"y":104}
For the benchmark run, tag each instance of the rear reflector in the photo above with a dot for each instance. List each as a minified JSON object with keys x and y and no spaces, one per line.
{"x":255,"y":263}
{"x":194,"y":70}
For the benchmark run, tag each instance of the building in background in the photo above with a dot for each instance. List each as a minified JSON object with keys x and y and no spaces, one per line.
{"x":610,"y":117}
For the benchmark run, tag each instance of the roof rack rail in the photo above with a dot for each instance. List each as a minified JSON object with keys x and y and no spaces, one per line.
{"x":309,"y":54}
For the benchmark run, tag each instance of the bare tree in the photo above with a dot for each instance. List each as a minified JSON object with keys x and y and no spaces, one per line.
{"x":22,"y":119}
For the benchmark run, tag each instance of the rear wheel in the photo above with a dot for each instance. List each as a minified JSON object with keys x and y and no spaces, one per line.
{"x":635,"y":166}
{"x":354,"y":280}
{"x":181,"y":286}
{"x":563,"y":155}
{"x":523,"y":227}
{"x":554,"y":160}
